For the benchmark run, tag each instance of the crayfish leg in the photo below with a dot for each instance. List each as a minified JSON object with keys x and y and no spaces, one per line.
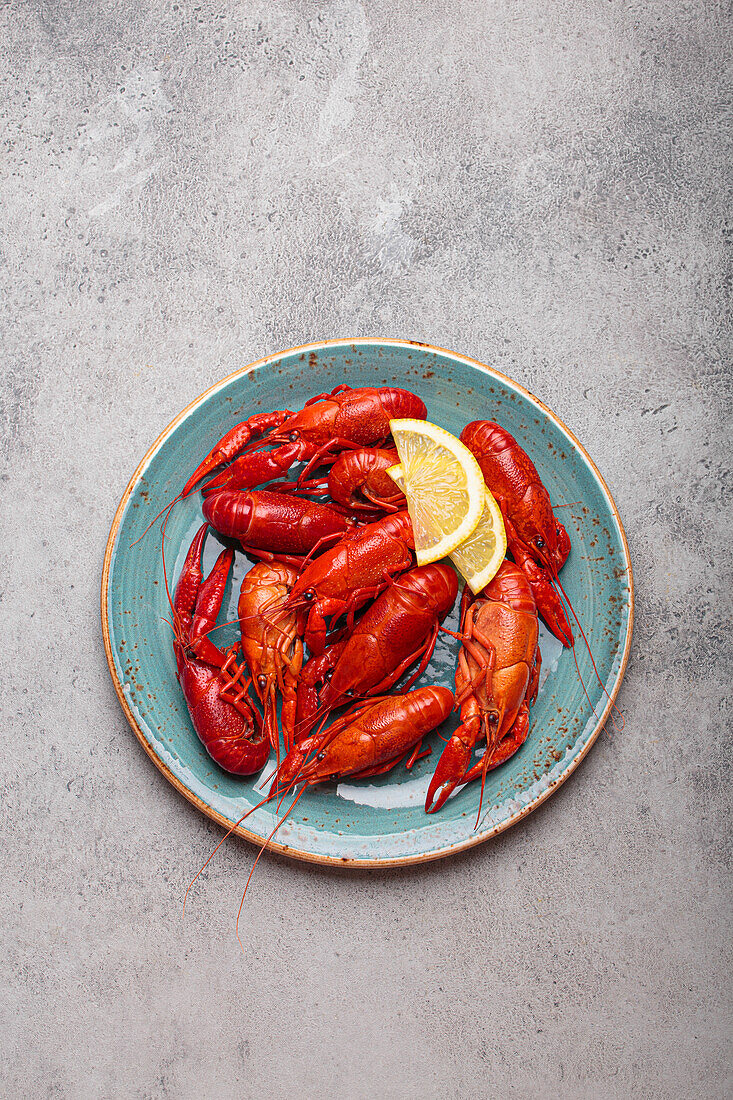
{"x":295,"y":561}
{"x":534,"y":677}
{"x":418,"y":753}
{"x":288,"y":709}
{"x":309,"y":708}
{"x":325,"y":396}
{"x":382,"y":769}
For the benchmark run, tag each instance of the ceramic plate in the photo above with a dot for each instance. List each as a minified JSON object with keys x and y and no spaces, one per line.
{"x":378,"y":821}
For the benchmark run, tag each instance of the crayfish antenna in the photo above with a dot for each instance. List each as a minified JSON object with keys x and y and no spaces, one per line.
{"x":226,"y":836}
{"x":484,"y":772}
{"x":490,"y":749}
{"x":320,"y":715}
{"x":614,"y":709}
{"x":281,"y":793}
{"x":271,"y":727}
{"x":184,"y":493}
{"x":166,"y":508}
{"x":165,"y":575}
{"x":281,"y":609}
{"x":257,"y":860}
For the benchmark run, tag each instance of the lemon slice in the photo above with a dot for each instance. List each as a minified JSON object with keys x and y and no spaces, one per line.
{"x":443,"y":484}
{"x":478,"y":558}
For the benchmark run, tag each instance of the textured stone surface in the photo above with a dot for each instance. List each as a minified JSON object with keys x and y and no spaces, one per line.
{"x":189,"y":186}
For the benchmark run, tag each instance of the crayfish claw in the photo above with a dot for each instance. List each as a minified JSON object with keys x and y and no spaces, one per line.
{"x":449,"y":774}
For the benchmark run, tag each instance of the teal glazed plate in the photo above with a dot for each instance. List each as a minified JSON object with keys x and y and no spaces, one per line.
{"x":379,"y":821}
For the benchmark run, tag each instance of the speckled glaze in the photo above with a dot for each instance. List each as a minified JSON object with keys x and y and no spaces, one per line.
{"x":380,"y":821}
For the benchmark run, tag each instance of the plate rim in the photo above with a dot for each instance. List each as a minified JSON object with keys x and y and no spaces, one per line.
{"x":273,"y":845}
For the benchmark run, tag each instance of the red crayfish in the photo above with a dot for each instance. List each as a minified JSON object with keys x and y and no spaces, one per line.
{"x":349,"y":574}
{"x":274,"y":524}
{"x":399,"y":627}
{"x":212,"y":682}
{"x":537,"y":540}
{"x":358,"y":481}
{"x":331,"y":422}
{"x":369,"y":740}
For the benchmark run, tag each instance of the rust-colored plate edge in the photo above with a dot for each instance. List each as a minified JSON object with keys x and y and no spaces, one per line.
{"x":283,"y":849}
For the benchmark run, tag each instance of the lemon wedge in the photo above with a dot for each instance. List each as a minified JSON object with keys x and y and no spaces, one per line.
{"x":478,"y":558}
{"x":443,"y":484}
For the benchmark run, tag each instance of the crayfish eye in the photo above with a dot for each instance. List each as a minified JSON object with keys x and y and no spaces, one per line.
{"x":262,"y":681}
{"x":539,"y":542}
{"x":309,"y":594}
{"x":493,"y":718}
{"x":294,"y":437}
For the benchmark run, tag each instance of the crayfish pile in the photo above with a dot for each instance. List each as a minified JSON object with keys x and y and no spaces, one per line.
{"x":322,"y":562}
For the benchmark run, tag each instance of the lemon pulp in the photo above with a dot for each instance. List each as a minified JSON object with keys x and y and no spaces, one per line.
{"x":478,"y":558}
{"x":443,"y":484}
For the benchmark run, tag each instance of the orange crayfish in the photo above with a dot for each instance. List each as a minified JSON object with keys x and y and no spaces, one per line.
{"x":496,"y":680}
{"x":273,"y":652}
{"x":369,"y":740}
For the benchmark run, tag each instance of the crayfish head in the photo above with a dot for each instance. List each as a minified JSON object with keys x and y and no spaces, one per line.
{"x":538,"y":529}
{"x":289,"y":772}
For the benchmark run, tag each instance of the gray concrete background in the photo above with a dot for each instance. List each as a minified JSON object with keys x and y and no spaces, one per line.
{"x":189,"y":186}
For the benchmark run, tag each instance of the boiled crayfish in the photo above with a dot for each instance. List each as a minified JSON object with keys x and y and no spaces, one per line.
{"x":274,"y":524}
{"x":359,"y":482}
{"x":322,"y":563}
{"x":537,"y":540}
{"x":399,"y":628}
{"x":212,"y":682}
{"x":272,"y":651}
{"x":368,"y":740}
{"x":329,"y":423}
{"x":496,"y":680}
{"x":349,"y":574}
